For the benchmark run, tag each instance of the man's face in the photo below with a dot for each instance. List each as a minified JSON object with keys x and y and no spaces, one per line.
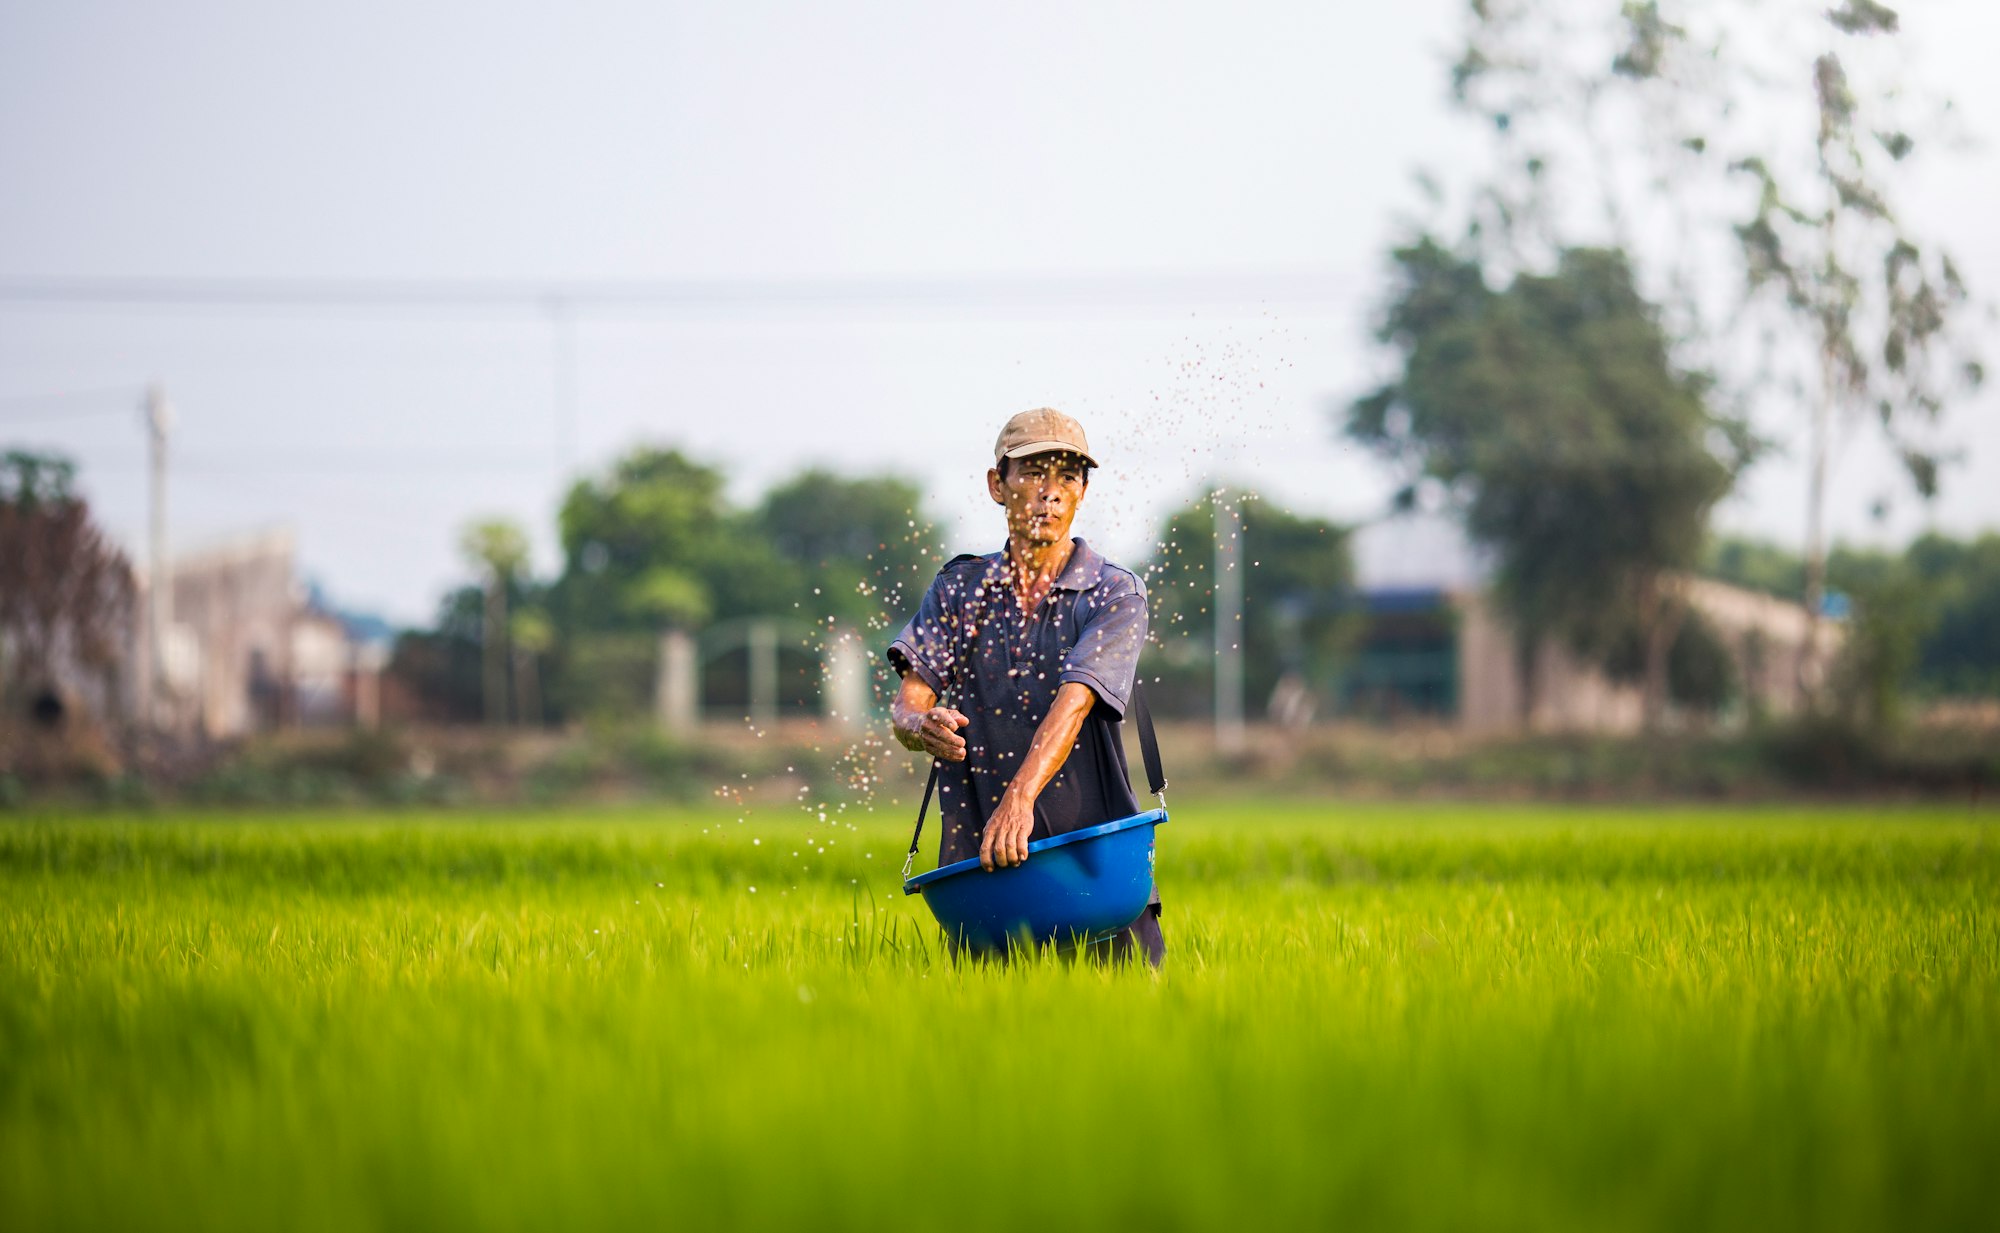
{"x":1041,"y":494}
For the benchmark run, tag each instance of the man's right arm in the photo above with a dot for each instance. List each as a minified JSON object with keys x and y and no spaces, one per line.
{"x":922,"y":726}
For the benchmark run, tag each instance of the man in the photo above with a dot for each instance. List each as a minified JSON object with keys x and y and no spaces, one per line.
{"x":1035,"y":648}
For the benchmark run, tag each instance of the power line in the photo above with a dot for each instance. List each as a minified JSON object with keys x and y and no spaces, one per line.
{"x":1156,"y":290}
{"x":358,"y":466}
{"x":284,"y":464}
{"x":19,"y":407}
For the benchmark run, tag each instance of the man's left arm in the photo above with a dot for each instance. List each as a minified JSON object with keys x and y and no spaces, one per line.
{"x":1006,"y":839}
{"x":1099,"y":671}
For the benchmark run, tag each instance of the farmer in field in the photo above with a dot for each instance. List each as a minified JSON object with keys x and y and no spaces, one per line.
{"x":1018,"y":667}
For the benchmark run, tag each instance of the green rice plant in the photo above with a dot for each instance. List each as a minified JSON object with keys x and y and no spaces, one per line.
{"x":1443,"y":1017}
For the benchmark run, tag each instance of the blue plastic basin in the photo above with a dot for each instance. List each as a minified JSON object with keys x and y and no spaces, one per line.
{"x":1074,"y":888}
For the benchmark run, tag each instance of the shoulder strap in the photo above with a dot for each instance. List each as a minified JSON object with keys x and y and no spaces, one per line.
{"x":1149,"y":743}
{"x":917,"y":836}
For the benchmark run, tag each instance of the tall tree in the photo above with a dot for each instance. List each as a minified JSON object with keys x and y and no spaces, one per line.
{"x":1551,"y":415}
{"x":1642,"y":123}
{"x":859,"y":547}
{"x":66,"y":594}
{"x":498,"y":549}
{"x":654,"y":543}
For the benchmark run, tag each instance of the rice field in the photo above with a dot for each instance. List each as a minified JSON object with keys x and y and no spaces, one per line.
{"x":1371,"y":1017}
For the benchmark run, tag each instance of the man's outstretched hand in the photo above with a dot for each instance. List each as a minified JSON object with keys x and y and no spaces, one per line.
{"x":936,"y":733}
{"x":1005,"y":842}
{"x":922,"y":726}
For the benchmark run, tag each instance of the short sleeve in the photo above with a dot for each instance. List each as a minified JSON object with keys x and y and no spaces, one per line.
{"x":925,"y":645}
{"x":1106,"y":654}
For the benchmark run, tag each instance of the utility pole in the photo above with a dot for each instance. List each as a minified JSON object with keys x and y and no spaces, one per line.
{"x":160,"y":588}
{"x":763,"y":644}
{"x":677,"y":687}
{"x":493,"y":650}
{"x":1229,"y":736}
{"x":1815,"y":597}
{"x":844,"y":680}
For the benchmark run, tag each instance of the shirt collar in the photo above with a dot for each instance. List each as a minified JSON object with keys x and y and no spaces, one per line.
{"x":1084,"y":570}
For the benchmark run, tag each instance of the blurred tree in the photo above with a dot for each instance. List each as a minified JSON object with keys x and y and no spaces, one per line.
{"x":532,"y":636}
{"x":31,"y":481}
{"x":1754,"y":564}
{"x":1958,"y":582}
{"x":67,"y":597}
{"x":441,"y":668}
{"x":860,"y":550}
{"x":1637,"y":107}
{"x":1298,"y":613}
{"x":1701,"y":672}
{"x":1552,"y":416}
{"x":499,"y":550}
{"x":1961,"y":655}
{"x":1893,"y":612}
{"x":653,"y":543}
{"x":1702,"y":676}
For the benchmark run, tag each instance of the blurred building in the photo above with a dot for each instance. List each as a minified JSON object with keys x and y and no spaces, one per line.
{"x":251,"y":648}
{"x":1435,"y":646}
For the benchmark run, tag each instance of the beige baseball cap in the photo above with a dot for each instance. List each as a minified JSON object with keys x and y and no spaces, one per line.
{"x":1041,"y":431}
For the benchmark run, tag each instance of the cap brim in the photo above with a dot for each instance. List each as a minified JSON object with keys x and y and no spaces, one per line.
{"x":1047,"y":447}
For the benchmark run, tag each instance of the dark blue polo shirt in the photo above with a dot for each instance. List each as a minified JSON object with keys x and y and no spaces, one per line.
{"x":971,"y":643}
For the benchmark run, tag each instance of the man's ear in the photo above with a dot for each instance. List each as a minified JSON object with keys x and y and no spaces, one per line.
{"x":993,"y":488}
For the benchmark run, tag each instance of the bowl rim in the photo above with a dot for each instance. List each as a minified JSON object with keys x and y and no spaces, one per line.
{"x":1151,"y":817}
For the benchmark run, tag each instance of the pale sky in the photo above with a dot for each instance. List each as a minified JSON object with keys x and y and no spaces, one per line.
{"x":1166,"y":219}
